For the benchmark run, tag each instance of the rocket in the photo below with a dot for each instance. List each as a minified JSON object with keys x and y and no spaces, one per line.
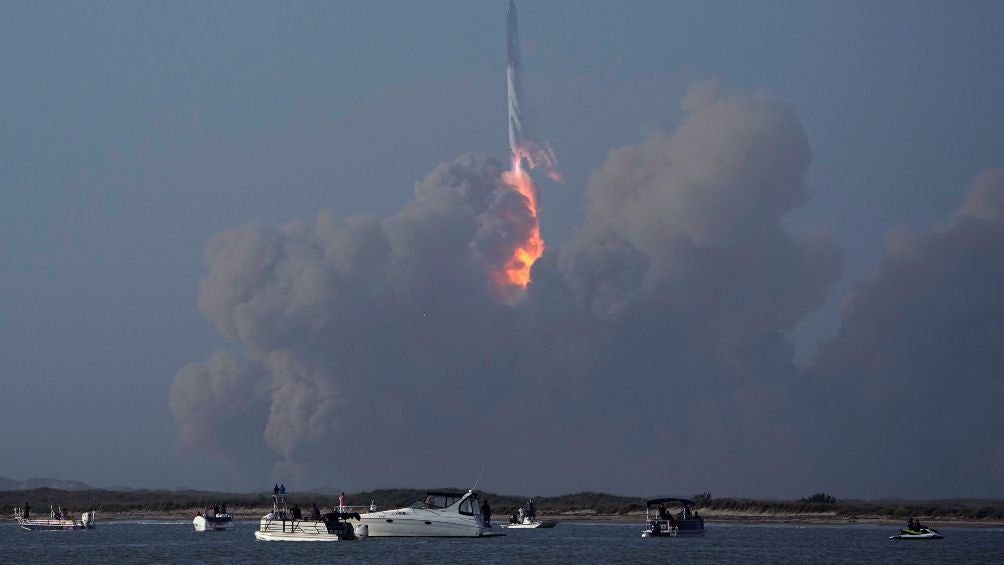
{"x":514,"y":77}
{"x":525,"y":141}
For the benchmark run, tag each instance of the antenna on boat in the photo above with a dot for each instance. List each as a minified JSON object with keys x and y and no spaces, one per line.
{"x":479,"y":478}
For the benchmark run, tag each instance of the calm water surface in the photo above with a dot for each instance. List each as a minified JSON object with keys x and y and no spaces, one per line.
{"x":176,"y":542}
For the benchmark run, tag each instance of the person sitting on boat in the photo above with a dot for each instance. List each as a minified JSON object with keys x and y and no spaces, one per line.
{"x":663,"y":515}
{"x":270,"y":516}
{"x":315,"y":512}
{"x":514,"y":519}
{"x":909,"y":523}
{"x":297,"y":513}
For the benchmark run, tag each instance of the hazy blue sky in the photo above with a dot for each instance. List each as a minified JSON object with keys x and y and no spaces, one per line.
{"x":131,"y":133}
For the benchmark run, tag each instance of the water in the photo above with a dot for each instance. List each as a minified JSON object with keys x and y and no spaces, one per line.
{"x":176,"y":542}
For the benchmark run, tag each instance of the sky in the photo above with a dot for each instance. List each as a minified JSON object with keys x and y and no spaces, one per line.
{"x":250,"y":242}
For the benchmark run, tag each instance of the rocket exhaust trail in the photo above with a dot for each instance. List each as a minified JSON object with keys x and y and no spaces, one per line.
{"x":525,"y":141}
{"x":532,"y":149}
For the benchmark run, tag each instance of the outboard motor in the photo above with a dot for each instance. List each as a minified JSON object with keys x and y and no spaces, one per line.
{"x":362,"y":531}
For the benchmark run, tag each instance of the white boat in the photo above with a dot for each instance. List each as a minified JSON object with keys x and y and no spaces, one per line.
{"x":216,"y":519}
{"x":528,"y":524}
{"x":57,"y":520}
{"x":442,"y":514}
{"x":282,"y":524}
{"x":660,"y":522}
{"x":920,"y":533}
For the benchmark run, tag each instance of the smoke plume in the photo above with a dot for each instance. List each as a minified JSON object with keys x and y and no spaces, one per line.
{"x":653,"y":340}
{"x":909,"y":393}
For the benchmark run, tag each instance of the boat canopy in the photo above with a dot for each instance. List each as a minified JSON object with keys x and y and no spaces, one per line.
{"x":684,"y":501}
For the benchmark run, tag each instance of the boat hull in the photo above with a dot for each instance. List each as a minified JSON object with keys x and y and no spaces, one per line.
{"x":50,"y":524}
{"x":927,"y":533}
{"x":86,"y":522}
{"x":531,"y":525}
{"x":294,"y":536}
{"x":211,"y":523}
{"x":419,"y":523}
{"x":307,"y":530}
{"x":684,"y":529}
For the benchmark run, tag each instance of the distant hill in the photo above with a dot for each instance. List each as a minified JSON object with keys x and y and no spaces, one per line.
{"x":32,"y":484}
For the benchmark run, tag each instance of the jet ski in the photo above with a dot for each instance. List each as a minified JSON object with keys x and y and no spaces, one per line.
{"x":921,"y":533}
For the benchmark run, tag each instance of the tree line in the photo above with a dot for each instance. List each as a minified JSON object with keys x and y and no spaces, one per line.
{"x":583,"y":502}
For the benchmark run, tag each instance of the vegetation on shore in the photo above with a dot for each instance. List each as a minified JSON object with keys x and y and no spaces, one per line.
{"x":585,"y":503}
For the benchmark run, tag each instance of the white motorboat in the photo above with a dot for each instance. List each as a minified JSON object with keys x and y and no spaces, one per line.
{"x":528,"y":524}
{"x":661,"y":522}
{"x":216,"y":520}
{"x":442,"y":514}
{"x":920,"y":533}
{"x":284,"y":524}
{"x":57,"y":520}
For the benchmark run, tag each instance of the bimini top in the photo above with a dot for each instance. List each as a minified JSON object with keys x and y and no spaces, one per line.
{"x":684,"y":501}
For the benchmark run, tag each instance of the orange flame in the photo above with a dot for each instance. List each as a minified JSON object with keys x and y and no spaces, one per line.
{"x":516,"y":272}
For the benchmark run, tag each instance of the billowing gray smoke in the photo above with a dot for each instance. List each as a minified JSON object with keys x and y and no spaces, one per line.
{"x":648,"y":353}
{"x":910,"y":391}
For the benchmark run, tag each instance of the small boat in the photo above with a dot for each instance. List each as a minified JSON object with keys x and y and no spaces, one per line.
{"x":57,"y":520}
{"x":442,"y":514}
{"x":660,"y":522}
{"x":527,"y":524}
{"x":285,"y":524}
{"x":920,"y":533}
{"x":213,"y":520}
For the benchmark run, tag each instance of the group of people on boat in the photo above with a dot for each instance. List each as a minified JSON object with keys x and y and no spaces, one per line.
{"x":218,"y":510}
{"x":914,"y":525}
{"x":57,"y":513}
{"x":527,"y":511}
{"x":684,"y":514}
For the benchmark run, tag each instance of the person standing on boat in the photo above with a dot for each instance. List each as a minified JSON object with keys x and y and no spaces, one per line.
{"x":341,"y":503}
{"x":486,"y":513}
{"x":27,"y":510}
{"x":282,"y":489}
{"x":275,"y":491}
{"x":531,"y":509}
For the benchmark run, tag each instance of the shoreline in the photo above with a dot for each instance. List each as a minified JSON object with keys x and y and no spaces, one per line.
{"x":255,"y":513}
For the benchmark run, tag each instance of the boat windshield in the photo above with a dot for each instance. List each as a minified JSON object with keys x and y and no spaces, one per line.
{"x":438,"y":500}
